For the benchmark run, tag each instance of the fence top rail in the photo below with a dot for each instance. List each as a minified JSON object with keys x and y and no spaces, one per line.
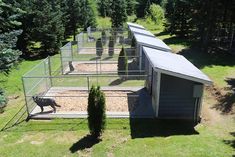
{"x":81,"y":96}
{"x":25,"y":75}
{"x":66,"y":45}
{"x":87,"y":75}
{"x":102,"y":57}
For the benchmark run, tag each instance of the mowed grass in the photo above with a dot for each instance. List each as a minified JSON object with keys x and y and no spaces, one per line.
{"x":68,"y":138}
{"x":63,"y":137}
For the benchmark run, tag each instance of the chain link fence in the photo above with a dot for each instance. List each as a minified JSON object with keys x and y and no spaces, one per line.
{"x":69,"y":77}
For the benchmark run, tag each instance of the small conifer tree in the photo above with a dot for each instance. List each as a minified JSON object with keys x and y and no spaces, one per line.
{"x":96,"y":111}
{"x":111,"y":46}
{"x":99,"y":47}
{"x":103,"y":37}
{"x":122,"y":63}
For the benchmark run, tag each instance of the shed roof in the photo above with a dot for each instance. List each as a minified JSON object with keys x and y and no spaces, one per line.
{"x":135,"y":30}
{"x":152,"y":42}
{"x":175,"y":65}
{"x":135,"y":25}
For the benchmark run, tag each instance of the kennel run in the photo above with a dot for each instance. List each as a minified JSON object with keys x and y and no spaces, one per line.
{"x":155,"y":83}
{"x":122,"y":92}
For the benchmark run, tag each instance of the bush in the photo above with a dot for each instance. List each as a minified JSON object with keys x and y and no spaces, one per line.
{"x":99,"y":47}
{"x":111,"y":46}
{"x":103,"y":37}
{"x":122,"y":63}
{"x":155,"y":14}
{"x":3,"y":100}
{"x":96,"y":111}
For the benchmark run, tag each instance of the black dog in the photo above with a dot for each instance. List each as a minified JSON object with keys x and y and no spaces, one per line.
{"x":41,"y":102}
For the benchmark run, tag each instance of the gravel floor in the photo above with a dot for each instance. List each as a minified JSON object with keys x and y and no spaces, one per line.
{"x":116,"y":101}
{"x":91,"y":67}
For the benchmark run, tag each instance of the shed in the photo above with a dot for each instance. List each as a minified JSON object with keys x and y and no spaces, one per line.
{"x":151,"y":42}
{"x":129,"y":24}
{"x":176,"y":85}
{"x":135,"y":30}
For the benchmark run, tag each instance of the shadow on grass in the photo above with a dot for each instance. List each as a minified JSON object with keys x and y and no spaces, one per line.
{"x":177,"y":41}
{"x":141,"y":128}
{"x":36,"y":55}
{"x":86,"y":142}
{"x":162,"y":33}
{"x":95,"y":58}
{"x":231,"y":142}
{"x":117,"y":82}
{"x":107,"y":58}
{"x":127,"y":78}
{"x":226,"y":102}
{"x":201,"y":59}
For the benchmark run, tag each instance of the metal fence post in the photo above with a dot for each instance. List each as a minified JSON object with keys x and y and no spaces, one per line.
{"x":49,"y":68}
{"x":61,"y":62}
{"x":88,"y":83}
{"x":100,"y":65}
{"x":45,"y":71}
{"x":71,"y":49}
{"x":26,"y":102}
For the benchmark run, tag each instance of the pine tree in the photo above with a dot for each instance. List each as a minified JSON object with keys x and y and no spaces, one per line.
{"x":72,"y":11}
{"x":130,"y":9}
{"x":142,"y":8}
{"x":48,"y":30}
{"x":104,"y":7}
{"x":87,"y":14}
{"x":122,"y":63}
{"x":24,"y":42}
{"x":99,"y":47}
{"x":118,"y":13}
{"x":9,"y":55}
{"x":96,"y":111}
{"x":111,"y":46}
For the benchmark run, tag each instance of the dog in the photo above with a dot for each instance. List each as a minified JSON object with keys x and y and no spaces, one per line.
{"x":41,"y":102}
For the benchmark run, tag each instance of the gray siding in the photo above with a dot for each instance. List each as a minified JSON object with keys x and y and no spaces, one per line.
{"x":176,"y":98}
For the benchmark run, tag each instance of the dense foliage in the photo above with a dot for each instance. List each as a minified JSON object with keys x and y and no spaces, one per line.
{"x":96,"y":111}
{"x":47,"y":23}
{"x":155,"y":14}
{"x":118,"y":13}
{"x":9,"y":31}
{"x":122,"y":63}
{"x":87,"y":14}
{"x":211,"y":22}
{"x":71,"y":16}
{"x":130,"y":6}
{"x":142,"y":8}
{"x":104,"y":7}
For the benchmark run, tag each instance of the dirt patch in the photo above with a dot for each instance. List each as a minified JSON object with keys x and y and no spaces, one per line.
{"x":36,"y":142}
{"x":116,"y":101}
{"x":92,"y":67}
{"x":225,"y":99}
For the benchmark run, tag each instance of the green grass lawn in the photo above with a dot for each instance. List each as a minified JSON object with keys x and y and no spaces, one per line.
{"x":123,"y":137}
